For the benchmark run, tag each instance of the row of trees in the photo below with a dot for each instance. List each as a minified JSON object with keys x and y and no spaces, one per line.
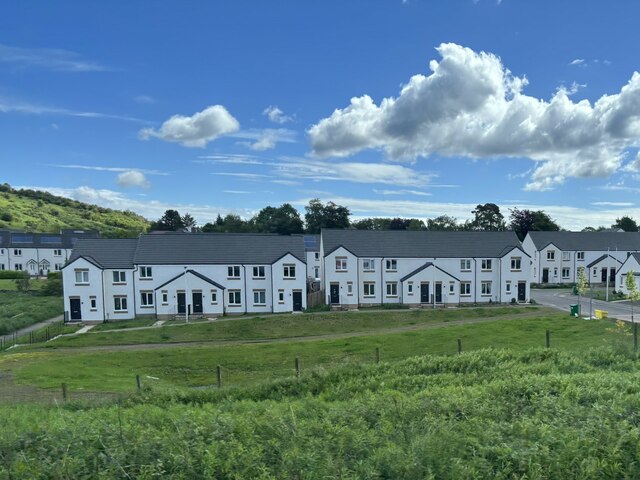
{"x":286,"y":220}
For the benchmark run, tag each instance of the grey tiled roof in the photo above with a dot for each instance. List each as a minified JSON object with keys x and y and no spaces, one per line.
{"x":589,"y":241}
{"x":106,"y":252}
{"x":216,"y":248}
{"x":420,"y":244}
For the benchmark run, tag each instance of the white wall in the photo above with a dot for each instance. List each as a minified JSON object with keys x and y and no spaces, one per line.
{"x":342,"y":277}
{"x":84,"y":292}
{"x":621,"y":275}
{"x":288,"y":285}
{"x":125,"y":289}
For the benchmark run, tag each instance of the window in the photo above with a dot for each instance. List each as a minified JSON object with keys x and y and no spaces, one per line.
{"x":369,"y":289}
{"x":317,"y":255}
{"x":316,"y":272}
{"x":516,"y":264}
{"x":452,"y":287}
{"x":119,"y":277}
{"x":392,"y":289}
{"x":465,"y":265}
{"x":565,"y":272}
{"x":57,"y":253}
{"x":233,"y":271}
{"x":17,"y":252}
{"x":410,"y":288}
{"x":214,"y":296}
{"x":486,"y":288}
{"x":486,"y":264}
{"x":368,"y":265}
{"x":580,"y":256}
{"x":235,"y":298}
{"x":165,"y":297}
{"x":258,"y":272}
{"x":259,"y":297}
{"x":465,"y":289}
{"x":508,"y":287}
{"x":1,"y":251}
{"x":146,"y":299}
{"x":349,"y":288}
{"x":392,"y":264}
{"x":566,"y":256}
{"x":146,"y":273}
{"x":341,"y":264}
{"x":82,"y":276}
{"x":555,"y":271}
{"x":551,"y":254}
{"x":58,"y":267}
{"x":280,"y":296}
{"x":1,"y":266}
{"x":595,"y":271}
{"x":93,"y":303}
{"x":120,"y":304}
{"x":18,"y":266}
{"x":289,"y":271}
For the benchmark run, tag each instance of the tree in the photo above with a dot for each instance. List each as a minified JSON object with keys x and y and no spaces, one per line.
{"x":632,"y":290}
{"x":188,"y":222}
{"x":284,"y":220}
{"x":524,"y":221}
{"x":23,"y":282}
{"x":319,"y":216}
{"x":581,"y":286}
{"x":625,"y":223}
{"x":170,"y":221}
{"x":487,"y":217}
{"x":443,"y":222}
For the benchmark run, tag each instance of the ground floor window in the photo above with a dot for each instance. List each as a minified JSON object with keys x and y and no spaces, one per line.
{"x":486,"y":288}
{"x":214,"y":296}
{"x":565,"y":272}
{"x":410,"y":288}
{"x":234,"y":297}
{"x":392,"y":289}
{"x":369,"y":289}
{"x":120,"y":304}
{"x":146,"y":299}
{"x":280,"y":296}
{"x":465,"y":288}
{"x":93,"y":303}
{"x":18,"y":266}
{"x":165,"y":297}
{"x":508,"y":287}
{"x":349,"y":288}
{"x":259,"y":297}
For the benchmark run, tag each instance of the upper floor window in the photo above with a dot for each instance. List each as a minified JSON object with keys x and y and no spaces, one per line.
{"x":316,"y":272}
{"x":17,"y":252}
{"x":258,"y":272}
{"x":82,"y":276}
{"x":233,"y":271}
{"x":57,"y":252}
{"x":566,"y":256}
{"x":368,"y":265}
{"x":392,"y":264}
{"x":289,"y":271}
{"x":580,"y":256}
{"x":316,"y":255}
{"x":119,"y":277}
{"x":341,"y":264}
{"x":516,"y":263}
{"x":465,"y":264}
{"x":551,"y":254}
{"x":146,"y":273}
{"x":486,"y":264}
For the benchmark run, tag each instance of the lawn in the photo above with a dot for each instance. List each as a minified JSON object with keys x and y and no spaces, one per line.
{"x":19,"y":310}
{"x":291,"y":326}
{"x":10,"y":285}
{"x":246,"y":364}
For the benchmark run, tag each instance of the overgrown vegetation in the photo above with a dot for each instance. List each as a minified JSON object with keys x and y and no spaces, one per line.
{"x":486,"y":414}
{"x":39,"y":211}
{"x":21,"y":309}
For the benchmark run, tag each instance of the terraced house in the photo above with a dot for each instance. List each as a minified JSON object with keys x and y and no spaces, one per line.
{"x":178,"y":274}
{"x":557,"y":256}
{"x":423,"y":268}
{"x":38,"y":253}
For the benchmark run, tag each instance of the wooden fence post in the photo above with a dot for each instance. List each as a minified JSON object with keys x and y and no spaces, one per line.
{"x":219,"y":375}
{"x":459,"y":345}
{"x":138,"y":384}
{"x":64,"y":392}
{"x":297,"y":367}
{"x":377,"y":354}
{"x":548,"y":339}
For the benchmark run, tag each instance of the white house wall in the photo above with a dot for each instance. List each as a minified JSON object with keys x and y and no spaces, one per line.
{"x":121,"y":289}
{"x":4,"y":259}
{"x":35,"y":255}
{"x":621,"y":276}
{"x":193,"y":283}
{"x":84,"y":292}
{"x":314,"y":260}
{"x":288,"y":285}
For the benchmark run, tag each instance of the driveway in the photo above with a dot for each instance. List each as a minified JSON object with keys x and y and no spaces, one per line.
{"x":562,"y":300}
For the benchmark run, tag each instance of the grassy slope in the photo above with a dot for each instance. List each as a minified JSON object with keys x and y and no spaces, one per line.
{"x":534,"y":414}
{"x":19,"y":310}
{"x":254,"y":363}
{"x":42,"y":215}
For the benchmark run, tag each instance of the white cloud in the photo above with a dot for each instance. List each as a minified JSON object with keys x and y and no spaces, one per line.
{"x":276,"y":115}
{"x":266,"y":139}
{"x":613,"y":204}
{"x":196,"y":130}
{"x":108,"y":169}
{"x":13,"y":106}
{"x":248,"y":176}
{"x":133,"y":178}
{"x":403,"y":192}
{"x":472,"y":106}
{"x":54,"y":59}
{"x":577,"y":61}
{"x":230,"y":158}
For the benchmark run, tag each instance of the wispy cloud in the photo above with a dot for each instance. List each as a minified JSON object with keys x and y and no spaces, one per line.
{"x":98,"y":168}
{"x":234,"y":159}
{"x":613,"y":204}
{"x":144,"y":99}
{"x":402,"y":192}
{"x":54,"y":59}
{"x":266,"y":139}
{"x":577,"y":61}
{"x":11,"y":106}
{"x":276,"y":115}
{"x":249,"y":176}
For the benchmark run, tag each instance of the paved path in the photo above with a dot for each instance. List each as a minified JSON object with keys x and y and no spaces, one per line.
{"x":35,"y":326}
{"x":562,"y":299}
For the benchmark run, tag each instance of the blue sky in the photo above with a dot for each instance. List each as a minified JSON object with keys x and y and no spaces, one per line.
{"x":392,"y":108}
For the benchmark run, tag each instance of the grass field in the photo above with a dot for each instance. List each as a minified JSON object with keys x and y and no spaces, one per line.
{"x":289,"y":326}
{"x":10,"y":285}
{"x":19,"y":310}
{"x":113,"y":368}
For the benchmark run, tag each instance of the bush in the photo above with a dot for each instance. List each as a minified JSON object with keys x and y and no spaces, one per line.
{"x":6,"y":217}
{"x":53,"y":286}
{"x":9,"y":274}
{"x":23,"y":282}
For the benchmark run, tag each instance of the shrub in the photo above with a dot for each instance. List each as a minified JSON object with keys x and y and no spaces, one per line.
{"x":23,"y":282}
{"x":9,"y":274}
{"x":53,"y":286}
{"x":6,"y":217}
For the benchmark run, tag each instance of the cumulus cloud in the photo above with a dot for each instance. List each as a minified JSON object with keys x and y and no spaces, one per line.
{"x":196,"y":130}
{"x":133,"y":178}
{"x":472,"y":106}
{"x":276,"y":115}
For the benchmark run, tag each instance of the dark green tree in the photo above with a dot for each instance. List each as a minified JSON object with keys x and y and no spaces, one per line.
{"x":487,"y":217}
{"x":170,"y":221}
{"x":625,"y":223}
{"x":319,"y":216}
{"x":284,"y":220}
{"x":443,"y":222}
{"x":188,"y":222}
{"x":524,"y":221}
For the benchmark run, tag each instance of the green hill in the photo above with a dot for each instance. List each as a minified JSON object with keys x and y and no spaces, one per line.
{"x":39,"y":211}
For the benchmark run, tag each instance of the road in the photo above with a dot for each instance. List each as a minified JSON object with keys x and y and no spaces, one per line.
{"x":562,"y":300}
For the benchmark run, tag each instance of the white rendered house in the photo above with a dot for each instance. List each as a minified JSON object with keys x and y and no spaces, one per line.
{"x":557,"y":256}
{"x":363,"y":268}
{"x":632,"y":263}
{"x":171,"y":274}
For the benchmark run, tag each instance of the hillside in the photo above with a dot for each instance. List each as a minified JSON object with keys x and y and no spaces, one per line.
{"x":486,"y":414}
{"x":39,"y":211}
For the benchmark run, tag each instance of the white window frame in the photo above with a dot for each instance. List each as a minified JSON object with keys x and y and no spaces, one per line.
{"x":233,"y":271}
{"x":93,"y":303}
{"x":465,"y":265}
{"x":281,"y":296}
{"x":486,"y":265}
{"x":349,"y":288}
{"x":369,"y":289}
{"x":507,"y":288}
{"x":566,"y":256}
{"x":121,"y":277}
{"x":465,"y":289}
{"x":146,"y":299}
{"x":289,"y":271}
{"x":341,"y":264}
{"x":18,"y":267}
{"x":17,"y":252}
{"x":316,"y":255}
{"x":580,"y":256}
{"x":485,"y":288}
{"x":368,"y":265}
{"x":120,"y":304}
{"x":57,"y":267}
{"x":452,"y":288}
{"x":410,"y":288}
{"x":213,"y":296}
{"x":568,"y":271}
{"x":316,"y":272}
{"x":258,"y":271}
{"x":259,"y":297}
{"x":81,"y":276}
{"x":146,"y":273}
{"x":57,"y":252}
{"x":392,"y":265}
{"x":516,"y":264}
{"x":235,"y":298}
{"x":392,"y":289}
{"x":551,"y":255}
{"x":555,"y":271}
{"x":165,"y":297}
